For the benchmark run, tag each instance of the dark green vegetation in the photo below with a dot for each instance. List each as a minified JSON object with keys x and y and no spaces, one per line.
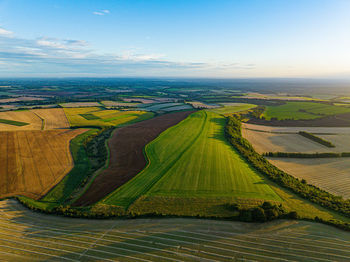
{"x":12,"y":122}
{"x":89,"y":154}
{"x":312,"y":193}
{"x":316,"y":139}
{"x":89,"y":116}
{"x":306,"y":155}
{"x":302,"y":110}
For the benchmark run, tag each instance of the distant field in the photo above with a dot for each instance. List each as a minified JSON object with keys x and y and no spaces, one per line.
{"x":303,"y":110}
{"x":32,"y":121}
{"x":27,"y":235}
{"x":330,"y":174}
{"x":116,"y":104}
{"x":80,"y":104}
{"x":198,"y":163}
{"x":196,"y":104}
{"x":54,"y":118}
{"x":34,"y":161}
{"x":229,"y":108}
{"x":93,"y":116}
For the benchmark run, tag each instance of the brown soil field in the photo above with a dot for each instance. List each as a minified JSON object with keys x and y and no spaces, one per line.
{"x":126,"y":155}
{"x":54,"y":118}
{"x":26,"y":116}
{"x":330,"y":174}
{"x":32,"y":162}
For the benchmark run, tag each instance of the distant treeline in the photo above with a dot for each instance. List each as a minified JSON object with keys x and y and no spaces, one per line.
{"x":307,"y":191}
{"x":306,"y":155}
{"x":316,"y":138}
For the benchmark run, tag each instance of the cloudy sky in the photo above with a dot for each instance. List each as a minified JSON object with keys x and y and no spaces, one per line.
{"x":237,"y":38}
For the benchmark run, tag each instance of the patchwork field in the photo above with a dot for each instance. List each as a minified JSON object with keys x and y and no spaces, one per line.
{"x":32,"y":162}
{"x":117,"y":104}
{"x":54,"y":118}
{"x":198,"y":163}
{"x":330,"y":174}
{"x":80,"y":104}
{"x":126,"y":154}
{"x":302,"y":110}
{"x":28,"y":236}
{"x":229,"y":108}
{"x":32,"y":121}
{"x":94,"y":116}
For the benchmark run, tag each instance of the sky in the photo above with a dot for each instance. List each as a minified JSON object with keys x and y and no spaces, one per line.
{"x":177,"y":38}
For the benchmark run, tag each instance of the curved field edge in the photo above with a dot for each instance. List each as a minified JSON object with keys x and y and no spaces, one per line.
{"x":156,"y":175}
{"x":180,"y":239}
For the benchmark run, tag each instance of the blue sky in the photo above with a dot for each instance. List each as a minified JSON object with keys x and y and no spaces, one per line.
{"x":237,"y":38}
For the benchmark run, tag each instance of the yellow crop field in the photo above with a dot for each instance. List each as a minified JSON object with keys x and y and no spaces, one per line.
{"x":32,"y":162}
{"x":94,"y":116}
{"x":54,"y":118}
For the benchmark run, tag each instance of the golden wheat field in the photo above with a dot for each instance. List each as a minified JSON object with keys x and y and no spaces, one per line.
{"x":32,"y":162}
{"x":54,"y":118}
{"x":33,"y":121}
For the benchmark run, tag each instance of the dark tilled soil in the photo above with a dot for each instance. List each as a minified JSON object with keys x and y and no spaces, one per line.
{"x":126,"y":155}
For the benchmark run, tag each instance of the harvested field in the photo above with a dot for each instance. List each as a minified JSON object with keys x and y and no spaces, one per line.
{"x":330,"y":174}
{"x":126,"y":155}
{"x":80,"y":104}
{"x":269,"y":139}
{"x":27,"y":236}
{"x":54,"y":118}
{"x":32,"y":162}
{"x":21,"y":98}
{"x":25,"y":116}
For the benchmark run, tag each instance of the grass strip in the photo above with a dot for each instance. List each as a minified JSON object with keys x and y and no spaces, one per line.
{"x":12,"y":122}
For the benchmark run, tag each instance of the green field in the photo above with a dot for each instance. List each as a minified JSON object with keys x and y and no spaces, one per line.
{"x":302,"y":110}
{"x":95,"y":116}
{"x":12,"y":122}
{"x":198,"y":163}
{"x":230,"y":108}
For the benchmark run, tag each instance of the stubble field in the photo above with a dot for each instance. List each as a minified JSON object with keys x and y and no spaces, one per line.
{"x":32,"y":162}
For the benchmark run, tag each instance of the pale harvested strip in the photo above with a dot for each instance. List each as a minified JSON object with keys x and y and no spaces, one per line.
{"x":276,"y":142}
{"x":54,"y":118}
{"x":25,"y":116}
{"x":282,"y":129}
{"x":330,"y":174}
{"x":80,"y":104}
{"x":40,"y":236}
{"x":34,"y":161}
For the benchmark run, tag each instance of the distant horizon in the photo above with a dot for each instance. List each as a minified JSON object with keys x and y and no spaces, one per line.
{"x":195,"y":39}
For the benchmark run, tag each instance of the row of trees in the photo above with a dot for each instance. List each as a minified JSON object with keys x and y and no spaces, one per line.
{"x":307,"y":191}
{"x":306,"y":155}
{"x":316,"y":139}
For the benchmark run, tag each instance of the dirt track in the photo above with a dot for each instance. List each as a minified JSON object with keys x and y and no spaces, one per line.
{"x":127,"y":159}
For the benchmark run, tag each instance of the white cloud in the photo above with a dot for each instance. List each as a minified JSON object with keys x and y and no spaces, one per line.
{"x":4,"y":32}
{"x":102,"y":12}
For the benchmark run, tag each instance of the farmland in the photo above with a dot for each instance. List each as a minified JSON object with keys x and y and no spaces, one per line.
{"x":54,"y":118}
{"x":330,"y":174}
{"x":229,"y":108}
{"x":126,"y":155}
{"x":94,"y":116}
{"x":31,"y":120}
{"x":27,"y":235}
{"x":302,"y":110}
{"x":176,"y":166}
{"x":34,"y":161}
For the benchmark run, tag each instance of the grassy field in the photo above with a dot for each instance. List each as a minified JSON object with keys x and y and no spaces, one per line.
{"x":302,"y":110}
{"x":12,"y":122}
{"x":94,"y":116}
{"x":230,"y":108}
{"x":27,"y":236}
{"x":34,"y":161}
{"x":198,"y":163}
